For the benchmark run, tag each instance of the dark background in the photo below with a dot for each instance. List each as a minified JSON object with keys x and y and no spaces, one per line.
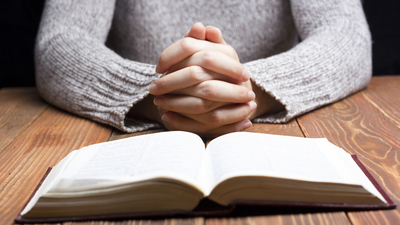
{"x":19,"y":21}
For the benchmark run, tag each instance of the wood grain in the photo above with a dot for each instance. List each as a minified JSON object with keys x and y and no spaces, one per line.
{"x":116,"y":134}
{"x":384,"y":93}
{"x":46,"y":141}
{"x":360,"y":128}
{"x":19,"y":107}
{"x":366,"y":124}
{"x":290,"y":128}
{"x":336,"y":218}
{"x":177,"y":221}
{"x":373,"y":218}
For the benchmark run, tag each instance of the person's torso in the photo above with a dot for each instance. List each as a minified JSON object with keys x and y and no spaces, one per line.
{"x":142,"y":29}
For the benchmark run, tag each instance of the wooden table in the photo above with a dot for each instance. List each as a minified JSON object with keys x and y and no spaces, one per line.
{"x":34,"y":136}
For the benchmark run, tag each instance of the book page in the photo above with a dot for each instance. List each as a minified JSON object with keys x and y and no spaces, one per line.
{"x":178,"y":155}
{"x":49,"y":181}
{"x":254,"y":154}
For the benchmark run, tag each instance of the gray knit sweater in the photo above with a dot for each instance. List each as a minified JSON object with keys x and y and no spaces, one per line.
{"x":96,"y":58}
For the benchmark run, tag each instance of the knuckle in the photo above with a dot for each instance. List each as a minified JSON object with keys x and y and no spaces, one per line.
{"x":242,"y":94}
{"x":187,"y":44}
{"x":203,"y":130}
{"x":204,"y":106}
{"x":207,"y":106}
{"x":196,"y":74}
{"x":215,"y":118}
{"x":209,"y":57}
{"x":207,"y":90}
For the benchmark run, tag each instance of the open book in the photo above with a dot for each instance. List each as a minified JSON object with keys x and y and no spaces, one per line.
{"x":173,"y":171}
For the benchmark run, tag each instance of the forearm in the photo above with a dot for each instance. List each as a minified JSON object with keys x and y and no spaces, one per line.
{"x":332,"y":61}
{"x":77,"y":72}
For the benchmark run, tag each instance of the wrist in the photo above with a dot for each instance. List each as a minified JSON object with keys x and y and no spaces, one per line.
{"x":145,"y":109}
{"x":266,"y":103}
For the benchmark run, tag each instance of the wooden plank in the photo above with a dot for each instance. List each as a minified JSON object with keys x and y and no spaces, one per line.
{"x":372,"y":218}
{"x":290,"y":128}
{"x":46,"y":141}
{"x":355,"y":125}
{"x":177,"y":221}
{"x":116,"y":134}
{"x":336,"y":218}
{"x":383,"y":93}
{"x":19,"y":107}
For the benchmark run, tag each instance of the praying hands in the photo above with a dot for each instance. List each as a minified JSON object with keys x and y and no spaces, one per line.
{"x":205,"y":89}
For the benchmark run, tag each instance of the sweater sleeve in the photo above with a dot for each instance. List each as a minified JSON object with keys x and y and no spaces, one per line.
{"x":332,"y":61}
{"x":77,"y":72}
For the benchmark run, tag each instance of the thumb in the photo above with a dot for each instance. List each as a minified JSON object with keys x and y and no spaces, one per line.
{"x":214,"y":34}
{"x":198,"y":31}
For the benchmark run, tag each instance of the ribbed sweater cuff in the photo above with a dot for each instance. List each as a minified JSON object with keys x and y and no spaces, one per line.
{"x":103,"y":88}
{"x":313,"y":74}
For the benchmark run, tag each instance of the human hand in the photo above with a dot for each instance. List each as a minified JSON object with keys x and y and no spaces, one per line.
{"x":265,"y":102}
{"x":197,"y":90}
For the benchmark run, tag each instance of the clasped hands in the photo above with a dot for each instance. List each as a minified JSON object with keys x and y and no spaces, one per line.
{"x":205,"y":89}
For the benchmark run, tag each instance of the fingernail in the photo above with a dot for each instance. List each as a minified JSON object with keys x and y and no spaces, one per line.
{"x":153,"y":89}
{"x":253,"y":106}
{"x":157,"y":68}
{"x":166,"y":118}
{"x":250,"y":96}
{"x":245,"y":75}
{"x":247,"y":124}
{"x":158,"y":101}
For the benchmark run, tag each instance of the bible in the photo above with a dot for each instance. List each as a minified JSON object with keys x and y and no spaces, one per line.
{"x":173,"y":171}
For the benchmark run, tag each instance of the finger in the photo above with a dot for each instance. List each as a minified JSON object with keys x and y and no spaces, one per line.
{"x":185,"y":48}
{"x":184,"y":78}
{"x":198,"y":31}
{"x":239,"y":126}
{"x":224,"y":115}
{"x":218,"y":91}
{"x":216,"y":62}
{"x":186,"y":104}
{"x":214,"y":34}
{"x":178,"y":122}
